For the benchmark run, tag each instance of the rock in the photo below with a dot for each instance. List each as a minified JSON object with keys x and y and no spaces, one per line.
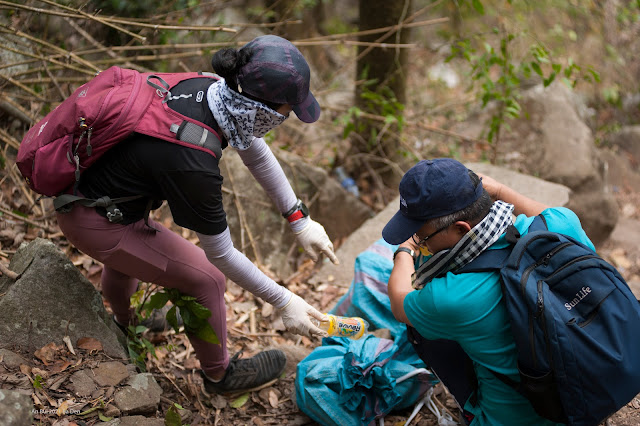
{"x":111,"y":411}
{"x":15,"y":409}
{"x":82,"y":383}
{"x":551,"y":140}
{"x":135,"y":421}
{"x":110,"y":373}
{"x":52,"y":299}
{"x":140,"y":396}
{"x":598,"y":214}
{"x":627,"y":140}
{"x":10,"y":359}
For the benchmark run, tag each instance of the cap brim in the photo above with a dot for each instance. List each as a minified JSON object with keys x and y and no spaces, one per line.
{"x":309,"y":110}
{"x":400,"y":228}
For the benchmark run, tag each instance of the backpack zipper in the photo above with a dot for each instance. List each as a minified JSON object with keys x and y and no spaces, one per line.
{"x":543,"y":260}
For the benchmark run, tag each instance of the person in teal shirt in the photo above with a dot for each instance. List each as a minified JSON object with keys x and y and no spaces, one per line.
{"x":448,"y":216}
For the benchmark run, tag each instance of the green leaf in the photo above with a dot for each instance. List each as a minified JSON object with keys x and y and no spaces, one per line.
{"x":156,"y":301}
{"x":536,"y":67}
{"x":172,"y":319}
{"x":173,"y":417}
{"x":547,"y":81}
{"x":37,"y":382}
{"x":240,"y":401}
{"x":478,"y":6}
{"x":207,"y":334}
{"x":103,"y":417}
{"x":198,"y":310}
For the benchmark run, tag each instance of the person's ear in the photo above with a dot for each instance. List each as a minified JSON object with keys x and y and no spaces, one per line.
{"x":462,"y":227}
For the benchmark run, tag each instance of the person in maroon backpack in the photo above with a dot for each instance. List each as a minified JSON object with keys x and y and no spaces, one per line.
{"x":262,"y":82}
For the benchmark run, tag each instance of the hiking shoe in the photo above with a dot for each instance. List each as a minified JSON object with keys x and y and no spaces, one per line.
{"x":248,"y":374}
{"x":157,"y":321}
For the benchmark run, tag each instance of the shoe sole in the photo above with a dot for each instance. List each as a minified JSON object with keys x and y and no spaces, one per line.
{"x":240,"y":392}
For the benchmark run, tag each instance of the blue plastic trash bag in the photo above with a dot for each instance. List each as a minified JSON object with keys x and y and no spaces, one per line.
{"x":354,"y":382}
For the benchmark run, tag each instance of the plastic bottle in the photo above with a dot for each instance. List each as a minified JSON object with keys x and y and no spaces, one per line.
{"x":347,"y":181}
{"x":351,"y":327}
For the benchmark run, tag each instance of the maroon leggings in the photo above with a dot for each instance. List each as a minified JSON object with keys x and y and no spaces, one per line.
{"x":133,"y":253}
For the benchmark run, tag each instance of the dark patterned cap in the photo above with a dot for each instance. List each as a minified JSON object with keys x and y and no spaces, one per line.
{"x":277,"y":72}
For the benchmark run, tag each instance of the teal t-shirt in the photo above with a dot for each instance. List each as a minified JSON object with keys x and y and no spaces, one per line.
{"x":469,"y":309}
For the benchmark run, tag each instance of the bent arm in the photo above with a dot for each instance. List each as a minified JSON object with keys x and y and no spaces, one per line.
{"x":237,"y":267}
{"x":521,"y":203}
{"x":266,"y":170}
{"x":400,"y":282}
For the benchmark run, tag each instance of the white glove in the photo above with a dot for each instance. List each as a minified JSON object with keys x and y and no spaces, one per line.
{"x":295,"y":316}
{"x":313,"y":239}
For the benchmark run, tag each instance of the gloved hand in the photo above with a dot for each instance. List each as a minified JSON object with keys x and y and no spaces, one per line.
{"x":314,"y":239}
{"x":295,"y":315}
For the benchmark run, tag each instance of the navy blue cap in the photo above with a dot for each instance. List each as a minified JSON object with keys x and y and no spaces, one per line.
{"x":430,"y":189}
{"x":277,"y":72}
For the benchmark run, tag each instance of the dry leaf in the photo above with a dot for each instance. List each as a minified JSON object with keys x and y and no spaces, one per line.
{"x":63,"y":408}
{"x":38,"y":372}
{"x":59,"y":366}
{"x":267,"y":310}
{"x":89,"y":344}
{"x":47,"y":353}
{"x":219,"y":402}
{"x":25,"y":369}
{"x":67,"y":340}
{"x":273,"y":399}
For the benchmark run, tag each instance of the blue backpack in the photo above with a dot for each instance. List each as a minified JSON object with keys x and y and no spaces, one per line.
{"x":575,"y":323}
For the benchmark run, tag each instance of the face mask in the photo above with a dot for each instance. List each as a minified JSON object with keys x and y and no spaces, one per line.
{"x":240,"y":119}
{"x":266,"y":120}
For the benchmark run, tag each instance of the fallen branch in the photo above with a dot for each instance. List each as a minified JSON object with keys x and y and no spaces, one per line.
{"x":27,"y":221}
{"x":243,"y":219}
{"x":8,"y":272}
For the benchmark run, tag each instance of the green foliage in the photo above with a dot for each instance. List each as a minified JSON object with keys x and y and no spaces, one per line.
{"x":37,"y":382}
{"x":173,"y":416}
{"x":194,"y":315}
{"x":240,"y":401}
{"x":497,"y":74}
{"x":138,"y":347}
{"x":611,"y":94}
{"x":381,"y":102}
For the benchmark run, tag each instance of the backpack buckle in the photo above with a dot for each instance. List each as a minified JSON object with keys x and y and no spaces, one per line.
{"x":114,"y":215}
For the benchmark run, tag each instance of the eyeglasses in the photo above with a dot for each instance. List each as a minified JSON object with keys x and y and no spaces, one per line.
{"x":421,"y":242}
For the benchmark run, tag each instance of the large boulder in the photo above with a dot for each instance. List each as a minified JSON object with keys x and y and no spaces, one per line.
{"x":51,"y":299}
{"x":551,"y":140}
{"x":15,"y":408}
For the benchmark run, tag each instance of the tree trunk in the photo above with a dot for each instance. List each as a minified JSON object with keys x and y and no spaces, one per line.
{"x":387,"y":66}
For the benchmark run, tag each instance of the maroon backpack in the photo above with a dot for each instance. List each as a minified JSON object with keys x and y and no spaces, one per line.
{"x":100,"y":114}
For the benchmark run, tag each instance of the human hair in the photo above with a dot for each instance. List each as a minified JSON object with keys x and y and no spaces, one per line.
{"x":473,"y":213}
{"x":227,"y":63}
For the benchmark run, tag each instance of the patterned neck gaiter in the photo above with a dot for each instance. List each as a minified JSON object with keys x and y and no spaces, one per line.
{"x":478,"y":239}
{"x":240,"y":119}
